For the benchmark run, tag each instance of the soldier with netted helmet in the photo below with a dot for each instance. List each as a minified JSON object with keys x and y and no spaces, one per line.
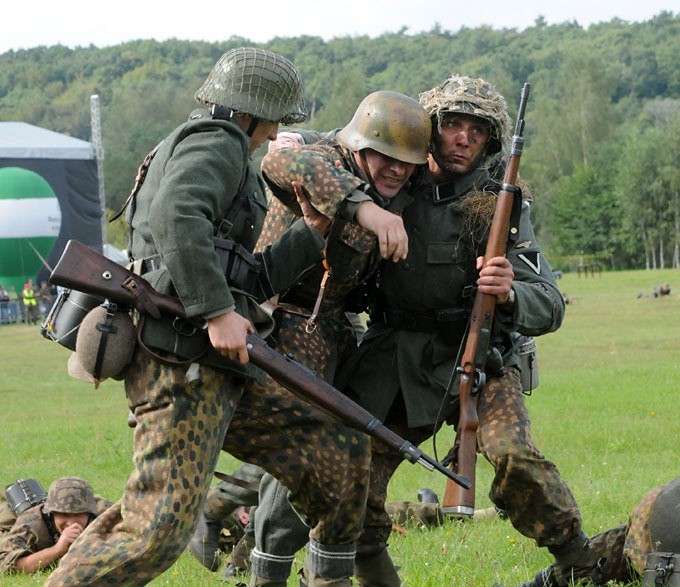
{"x":195,"y":214}
{"x":358,"y":179}
{"x":42,"y":534}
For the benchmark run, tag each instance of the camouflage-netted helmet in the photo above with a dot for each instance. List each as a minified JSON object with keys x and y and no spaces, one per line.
{"x":392,"y":124}
{"x":70,"y":495}
{"x":257,"y":82}
{"x":474,"y":96}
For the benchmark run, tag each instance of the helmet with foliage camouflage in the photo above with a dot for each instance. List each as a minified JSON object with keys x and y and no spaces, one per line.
{"x":257,"y":82}
{"x":473,"y":96}
{"x":70,"y":495}
{"x":392,"y":124}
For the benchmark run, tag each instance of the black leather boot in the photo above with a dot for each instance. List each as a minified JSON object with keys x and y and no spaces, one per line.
{"x":205,"y":543}
{"x":575,"y":563}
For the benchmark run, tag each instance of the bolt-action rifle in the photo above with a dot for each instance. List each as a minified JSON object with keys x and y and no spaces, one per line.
{"x":82,"y":269}
{"x":460,"y":501}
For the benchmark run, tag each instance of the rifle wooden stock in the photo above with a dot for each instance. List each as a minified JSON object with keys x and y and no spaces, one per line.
{"x":458,"y":500}
{"x":82,"y":269}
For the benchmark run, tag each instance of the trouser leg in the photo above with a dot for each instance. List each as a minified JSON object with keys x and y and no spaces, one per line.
{"x":526,"y":485}
{"x":279,"y":531}
{"x":374,"y":567}
{"x":529,"y":487}
{"x":180,"y":430}
{"x":310,"y":453}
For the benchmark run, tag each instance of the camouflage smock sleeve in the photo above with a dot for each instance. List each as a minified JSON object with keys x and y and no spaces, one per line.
{"x":539,"y":305}
{"x":315,"y":168}
{"x":28,"y":535}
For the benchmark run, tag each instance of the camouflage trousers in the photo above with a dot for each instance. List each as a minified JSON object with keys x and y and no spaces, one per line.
{"x":182,"y":417}
{"x":182,"y":420}
{"x":321,"y":465}
{"x":526,"y":485}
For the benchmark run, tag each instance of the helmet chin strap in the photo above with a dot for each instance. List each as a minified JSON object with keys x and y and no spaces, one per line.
{"x":252,"y":126}
{"x":365,"y":169}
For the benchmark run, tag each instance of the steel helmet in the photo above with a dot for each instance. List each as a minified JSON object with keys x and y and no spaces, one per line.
{"x":257,"y":82}
{"x":474,"y":96}
{"x":70,"y":495}
{"x":392,"y":124}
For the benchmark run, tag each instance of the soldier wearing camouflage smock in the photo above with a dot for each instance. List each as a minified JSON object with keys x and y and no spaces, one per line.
{"x":653,"y":527}
{"x":42,"y":534}
{"x":418,"y":323}
{"x":185,"y":382}
{"x":357,"y":181}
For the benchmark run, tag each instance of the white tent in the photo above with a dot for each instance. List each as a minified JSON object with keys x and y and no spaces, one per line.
{"x":69,"y":166}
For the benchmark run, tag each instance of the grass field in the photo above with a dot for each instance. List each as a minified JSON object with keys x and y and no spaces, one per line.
{"x":606,"y":412}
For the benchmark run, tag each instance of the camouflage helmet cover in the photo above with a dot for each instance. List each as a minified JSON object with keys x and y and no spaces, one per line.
{"x":473,"y":96}
{"x":392,"y":124}
{"x":70,"y":495}
{"x":257,"y":82}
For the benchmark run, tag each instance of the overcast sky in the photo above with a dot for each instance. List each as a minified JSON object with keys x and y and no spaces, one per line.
{"x":31,"y":23}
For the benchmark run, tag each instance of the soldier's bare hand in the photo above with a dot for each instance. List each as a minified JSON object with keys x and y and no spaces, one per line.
{"x":68,"y":536}
{"x":285,"y":139}
{"x":227,"y":334}
{"x":312,"y":216}
{"x":495,"y":277}
{"x":388,"y":227}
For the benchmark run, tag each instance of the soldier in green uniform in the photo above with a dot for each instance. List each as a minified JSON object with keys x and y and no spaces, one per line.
{"x":652,"y":527}
{"x":42,"y":534}
{"x":185,"y":383}
{"x":358,"y":181}
{"x":418,"y":323}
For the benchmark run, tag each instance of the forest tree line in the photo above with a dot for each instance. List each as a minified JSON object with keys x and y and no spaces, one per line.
{"x":602,"y":128}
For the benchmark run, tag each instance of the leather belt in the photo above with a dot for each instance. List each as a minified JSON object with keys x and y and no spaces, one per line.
{"x":423,"y":322}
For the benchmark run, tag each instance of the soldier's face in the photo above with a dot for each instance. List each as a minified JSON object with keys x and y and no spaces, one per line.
{"x":389,"y":175}
{"x":460,"y":144}
{"x":264,"y":131}
{"x":63,"y":521}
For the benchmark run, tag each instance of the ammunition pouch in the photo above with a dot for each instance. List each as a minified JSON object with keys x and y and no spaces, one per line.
{"x":238,"y":264}
{"x":24,"y":494}
{"x":662,"y":569}
{"x":525,"y":347}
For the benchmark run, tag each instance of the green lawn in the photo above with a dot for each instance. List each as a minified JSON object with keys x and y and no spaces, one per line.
{"x":606,"y":412}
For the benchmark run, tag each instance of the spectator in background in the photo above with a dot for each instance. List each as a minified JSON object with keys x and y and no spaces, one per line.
{"x":30,"y":302}
{"x":4,"y":305}
{"x":14,"y":308}
{"x":45,"y":299}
